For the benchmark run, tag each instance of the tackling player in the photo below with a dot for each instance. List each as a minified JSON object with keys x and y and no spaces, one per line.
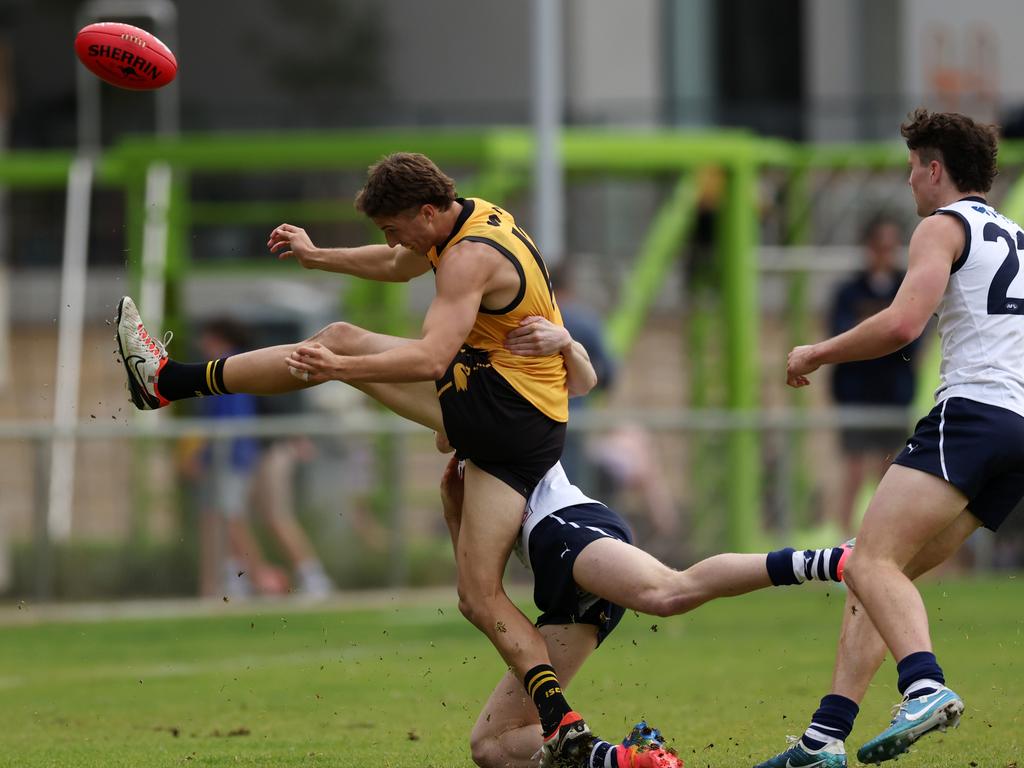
{"x":587,"y":573}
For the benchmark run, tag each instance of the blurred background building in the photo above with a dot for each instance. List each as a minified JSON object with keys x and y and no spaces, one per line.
{"x":839,"y":74}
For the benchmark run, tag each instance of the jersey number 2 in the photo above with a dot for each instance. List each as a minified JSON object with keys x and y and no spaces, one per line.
{"x":998,"y":302}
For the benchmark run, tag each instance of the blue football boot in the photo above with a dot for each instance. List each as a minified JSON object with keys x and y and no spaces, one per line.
{"x":832,"y":755}
{"x":644,"y":736}
{"x":913,"y":719}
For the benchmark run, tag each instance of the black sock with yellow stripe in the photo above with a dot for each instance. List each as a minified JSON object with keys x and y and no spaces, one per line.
{"x":546,"y":692}
{"x":182,"y":380}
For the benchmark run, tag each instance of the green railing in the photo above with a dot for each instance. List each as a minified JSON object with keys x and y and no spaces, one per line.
{"x":496,"y":164}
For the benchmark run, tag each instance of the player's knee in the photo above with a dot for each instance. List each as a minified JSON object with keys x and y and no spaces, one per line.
{"x":851,"y":571}
{"x":667,"y":596}
{"x":469,"y":607}
{"x":477,"y":598}
{"x":338,"y":337}
{"x":466,"y":609}
{"x":486,"y":751}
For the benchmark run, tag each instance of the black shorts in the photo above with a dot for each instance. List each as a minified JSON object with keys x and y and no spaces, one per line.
{"x":886,"y":441}
{"x":976,"y":447}
{"x":555,"y":543}
{"x":495,"y":427}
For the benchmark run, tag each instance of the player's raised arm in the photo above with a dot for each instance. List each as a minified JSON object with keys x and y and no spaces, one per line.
{"x":461,"y":280}
{"x":374,"y":262}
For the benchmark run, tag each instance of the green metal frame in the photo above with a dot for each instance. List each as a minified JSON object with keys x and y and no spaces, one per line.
{"x":499,"y":162}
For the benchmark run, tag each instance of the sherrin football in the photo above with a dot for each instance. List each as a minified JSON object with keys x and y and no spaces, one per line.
{"x":125,"y":56}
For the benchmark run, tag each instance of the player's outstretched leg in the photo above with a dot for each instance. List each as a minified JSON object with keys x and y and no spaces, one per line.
{"x":156,"y":380}
{"x":919,"y":713}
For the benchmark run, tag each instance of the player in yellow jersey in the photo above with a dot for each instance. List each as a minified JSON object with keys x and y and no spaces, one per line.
{"x":504,"y":414}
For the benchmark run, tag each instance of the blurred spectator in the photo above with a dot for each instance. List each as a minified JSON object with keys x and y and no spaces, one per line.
{"x":239,"y":474}
{"x":585,"y":326}
{"x":885,"y":381}
{"x":624,"y":459}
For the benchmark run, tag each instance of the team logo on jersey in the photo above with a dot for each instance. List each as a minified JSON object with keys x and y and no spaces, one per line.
{"x":460,"y":375}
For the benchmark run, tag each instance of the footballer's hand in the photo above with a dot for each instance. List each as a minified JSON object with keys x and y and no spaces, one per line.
{"x":314,"y":363}
{"x":288,"y":241}
{"x":800,"y":363}
{"x":537,"y":336}
{"x":452,"y":491}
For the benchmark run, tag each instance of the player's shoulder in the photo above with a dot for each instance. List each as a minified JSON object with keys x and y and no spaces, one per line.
{"x":488,"y":221}
{"x":945,"y":225}
{"x":939,"y":239}
{"x":486,"y":229}
{"x":469,"y":257}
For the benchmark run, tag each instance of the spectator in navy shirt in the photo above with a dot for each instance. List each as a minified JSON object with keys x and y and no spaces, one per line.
{"x":885,"y":381}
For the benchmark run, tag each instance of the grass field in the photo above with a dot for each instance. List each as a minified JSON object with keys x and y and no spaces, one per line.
{"x":400,"y":685}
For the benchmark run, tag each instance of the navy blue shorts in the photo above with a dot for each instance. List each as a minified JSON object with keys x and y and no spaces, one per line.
{"x":555,"y":543}
{"x":976,"y":447}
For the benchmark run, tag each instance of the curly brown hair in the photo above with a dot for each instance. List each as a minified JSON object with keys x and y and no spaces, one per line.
{"x":967,"y":149}
{"x":403,"y":181}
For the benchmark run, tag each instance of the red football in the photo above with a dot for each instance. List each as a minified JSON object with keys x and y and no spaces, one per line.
{"x":125,"y":56}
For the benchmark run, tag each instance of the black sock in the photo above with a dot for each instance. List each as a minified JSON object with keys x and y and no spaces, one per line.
{"x":546,"y":692}
{"x":780,"y":567}
{"x":182,"y":380}
{"x":919,"y":666}
{"x":833,"y":720}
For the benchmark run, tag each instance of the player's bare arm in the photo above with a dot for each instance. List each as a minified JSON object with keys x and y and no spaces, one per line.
{"x":538,"y":336}
{"x":464,"y":282}
{"x":396,"y":264}
{"x":935,"y":245}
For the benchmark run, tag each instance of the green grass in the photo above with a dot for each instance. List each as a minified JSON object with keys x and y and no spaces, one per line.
{"x":401,"y":685}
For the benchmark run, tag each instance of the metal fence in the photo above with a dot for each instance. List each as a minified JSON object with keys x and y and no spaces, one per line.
{"x":141,"y":488}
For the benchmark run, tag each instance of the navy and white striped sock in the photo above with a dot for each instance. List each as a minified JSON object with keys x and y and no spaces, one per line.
{"x":818,"y":564}
{"x":602,"y":755}
{"x":791,"y":566}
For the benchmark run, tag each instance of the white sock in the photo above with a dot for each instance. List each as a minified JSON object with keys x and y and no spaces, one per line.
{"x":922,"y":688}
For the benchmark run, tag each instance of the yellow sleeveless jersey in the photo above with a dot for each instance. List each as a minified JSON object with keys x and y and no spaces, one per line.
{"x":540,"y":380}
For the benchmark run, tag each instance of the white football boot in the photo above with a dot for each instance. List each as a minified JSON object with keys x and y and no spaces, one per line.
{"x":143,"y":356}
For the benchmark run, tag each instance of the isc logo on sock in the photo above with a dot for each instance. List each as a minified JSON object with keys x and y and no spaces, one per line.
{"x":552,"y":692}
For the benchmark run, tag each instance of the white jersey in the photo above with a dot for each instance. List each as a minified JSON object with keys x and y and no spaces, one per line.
{"x":981,"y":316}
{"x":553,"y":493}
